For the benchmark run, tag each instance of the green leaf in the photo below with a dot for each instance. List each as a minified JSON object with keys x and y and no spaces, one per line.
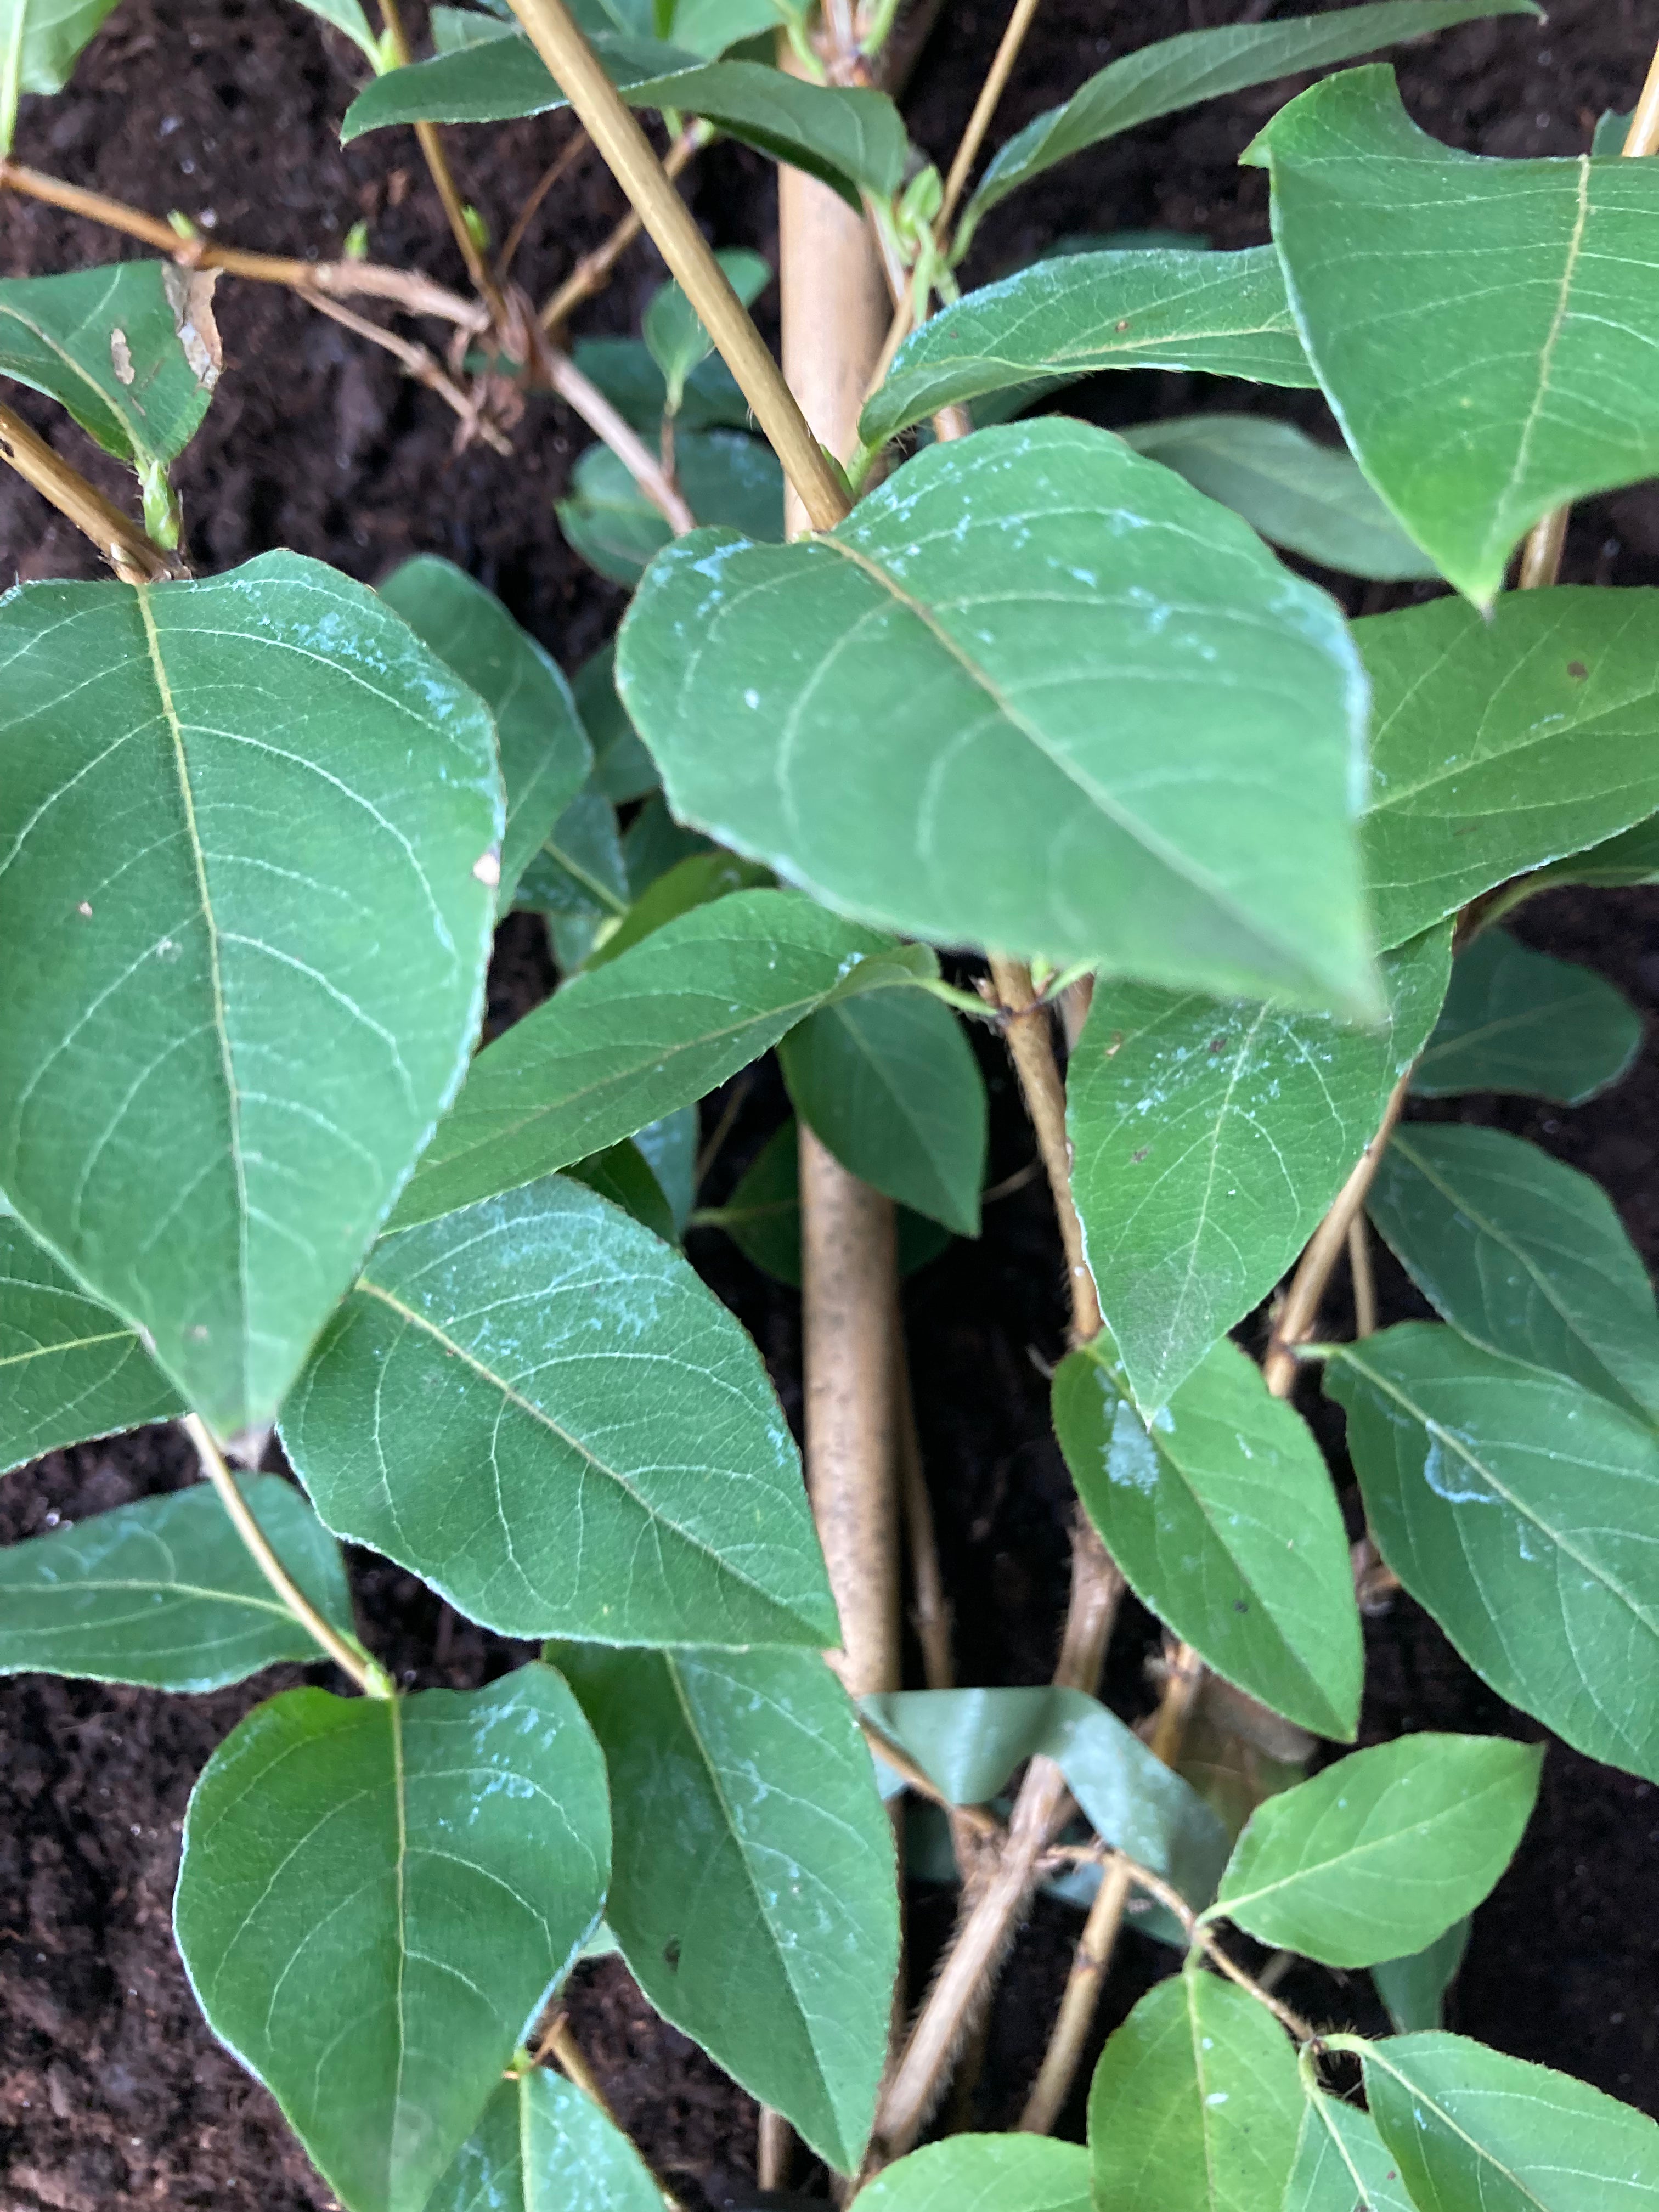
{"x":1200,"y":65}
{"x":1519,"y":1509}
{"x":541,"y":2146}
{"x":623,"y":1174}
{"x":850,"y":140}
{"x":226,"y":1041}
{"x":535,"y":1406}
{"x":1473,"y":2131}
{"x":1504,"y":742}
{"x":624,"y":371}
{"x":68,"y":1368}
{"x":1516,"y":1020}
{"x":1195,"y":2104}
{"x":763,"y":1215}
{"x":1342,"y":2164}
{"x":1076,"y":775}
{"x":455,"y":27}
{"x":1632,"y":857}
{"x":1223,"y":1518}
{"x":166,"y":1593}
{"x":670,"y":1146}
{"x":578,"y":878}
{"x":1226,"y":314}
{"x":41,"y":42}
{"x":889,"y":1085}
{"x":1612,"y":130}
{"x":673,"y":330}
{"x":132,"y":351}
{"x":753,"y":1896}
{"x":1523,"y":1255}
{"x":710,"y":27}
{"x":375,"y":1897}
{"x":1381,"y":1852}
{"x":695,"y":881}
{"x":654,"y":842}
{"x":1208,"y":1139}
{"x":728,"y":478}
{"x":657,"y":1028}
{"x":622,"y":769}
{"x":1308,"y":497}
{"x":968,"y":1742}
{"x":347,"y":15}
{"x":985,"y":2173}
{"x":544,"y":753}
{"x":1414,"y":1989}
{"x":1526,"y":384}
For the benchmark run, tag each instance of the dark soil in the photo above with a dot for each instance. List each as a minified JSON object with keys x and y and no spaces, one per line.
{"x":111,"y":2088}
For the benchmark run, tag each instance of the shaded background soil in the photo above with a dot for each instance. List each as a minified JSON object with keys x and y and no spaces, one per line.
{"x":110,"y":2086}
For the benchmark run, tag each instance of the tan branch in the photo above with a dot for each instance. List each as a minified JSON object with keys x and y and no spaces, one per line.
{"x":585,"y":399}
{"x":134,"y":556}
{"x":423,"y":365}
{"x":593,"y":272}
{"x":443,"y":177}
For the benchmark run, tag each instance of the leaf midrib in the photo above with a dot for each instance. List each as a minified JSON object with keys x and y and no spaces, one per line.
{"x":1320,"y":1869}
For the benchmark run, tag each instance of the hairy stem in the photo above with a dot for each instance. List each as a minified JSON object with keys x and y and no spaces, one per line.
{"x":612,"y":126}
{"x":363,"y":1672}
{"x":135,"y":557}
{"x":1032,"y":1047}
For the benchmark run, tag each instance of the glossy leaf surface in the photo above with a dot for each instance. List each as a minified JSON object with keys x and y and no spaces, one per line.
{"x":1473,"y":2131}
{"x":120,"y":348}
{"x":347,"y":15}
{"x":164,"y":1592}
{"x":1208,"y":1137}
{"x":1195,"y":2105}
{"x":1519,"y":1509}
{"x":1223,"y":1519}
{"x":1501,"y":743}
{"x":673,"y":330}
{"x":1103,"y":798}
{"x":1199,"y":65}
{"x":967,"y":1742}
{"x":375,"y":1897}
{"x":541,"y":2146}
{"x":1382,"y":1851}
{"x":578,"y":879}
{"x":1227,"y":313}
{"x":1299,"y":493}
{"x":1525,"y":385}
{"x":543,"y":750}
{"x":1523,"y":1255}
{"x":68,"y":1368}
{"x":654,"y":1030}
{"x":534,"y":1405}
{"x":43,"y":39}
{"x":889,"y":1083}
{"x":1342,"y":2164}
{"x":227,"y":1038}
{"x":852,"y":140}
{"x":697,"y":880}
{"x":985,"y":2173}
{"x":753,"y":1895}
{"x":1517,"y":1020}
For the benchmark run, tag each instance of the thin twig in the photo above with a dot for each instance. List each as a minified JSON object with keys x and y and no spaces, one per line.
{"x":1093,"y":1958}
{"x":422,"y":364}
{"x":1300,"y":1311}
{"x":615,"y":131}
{"x":1032,"y":1047}
{"x":932,"y":1614}
{"x":774,"y":2143}
{"x":1363,"y":1275}
{"x":369,"y":1678}
{"x":135,"y":557}
{"x":593,"y":272}
{"x":404,"y":288}
{"x":990,"y":92}
{"x":585,"y":399}
{"x":437,"y":162}
{"x":574,"y":145}
{"x":1200,"y":1932}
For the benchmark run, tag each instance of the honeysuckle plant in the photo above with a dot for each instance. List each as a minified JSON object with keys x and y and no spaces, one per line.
{"x":1011,"y":688}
